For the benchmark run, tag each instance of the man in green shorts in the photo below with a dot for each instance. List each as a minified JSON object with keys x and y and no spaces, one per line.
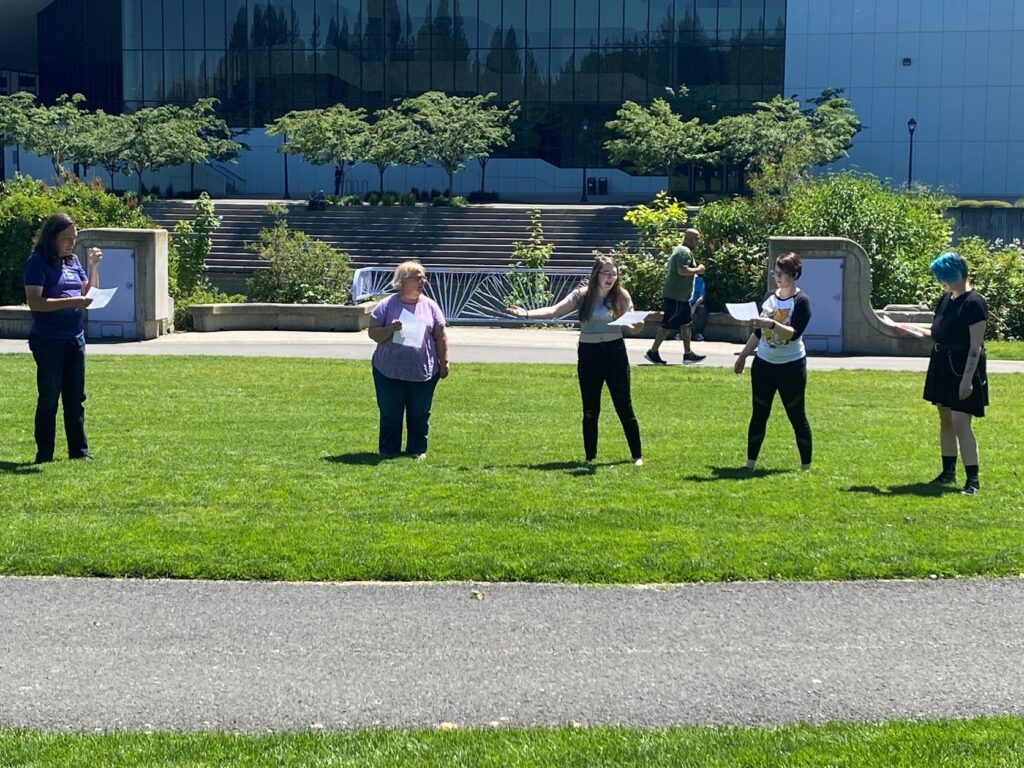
{"x":676,"y":318}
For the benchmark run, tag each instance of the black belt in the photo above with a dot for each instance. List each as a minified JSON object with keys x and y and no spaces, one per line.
{"x":952,"y":347}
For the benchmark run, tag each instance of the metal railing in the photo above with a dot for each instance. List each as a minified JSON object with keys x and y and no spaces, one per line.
{"x":480,"y":296}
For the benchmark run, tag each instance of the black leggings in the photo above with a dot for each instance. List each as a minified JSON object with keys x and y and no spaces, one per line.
{"x":790,"y":381}
{"x":600,"y":363}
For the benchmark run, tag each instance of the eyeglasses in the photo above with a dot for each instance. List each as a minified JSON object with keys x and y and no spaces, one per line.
{"x":779,"y":273}
{"x":419,"y":278}
{"x":608,"y":274}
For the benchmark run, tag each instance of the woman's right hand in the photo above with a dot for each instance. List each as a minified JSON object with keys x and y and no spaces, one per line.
{"x":395,"y":326}
{"x":80,"y":302}
{"x":740,"y":364}
{"x":515,"y":310}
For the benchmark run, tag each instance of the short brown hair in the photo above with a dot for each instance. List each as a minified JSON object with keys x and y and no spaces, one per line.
{"x":790,"y":264}
{"x":46,"y":240}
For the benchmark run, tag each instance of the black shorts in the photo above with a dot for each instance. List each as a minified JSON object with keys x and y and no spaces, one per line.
{"x":674,"y":314}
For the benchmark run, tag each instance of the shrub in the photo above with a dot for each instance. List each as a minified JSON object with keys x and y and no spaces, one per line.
{"x":459,"y":202}
{"x":997,"y":273}
{"x":642,"y":274}
{"x":351,"y":200}
{"x":373,"y":198}
{"x":389,"y":198}
{"x":25,"y":203}
{"x":190,"y":246}
{"x":301,"y":270}
{"x":201,"y":294}
{"x":659,"y":226}
{"x":483,"y":197}
{"x":530,"y":289}
{"x":409,"y":198}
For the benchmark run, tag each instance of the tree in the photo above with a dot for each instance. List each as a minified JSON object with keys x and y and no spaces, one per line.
{"x":160,"y":137}
{"x":14,"y":118}
{"x":457,"y":128}
{"x":656,"y":138}
{"x":104,"y":142}
{"x":335,"y":135}
{"x":216,"y":141}
{"x":391,"y":140}
{"x":56,"y":131}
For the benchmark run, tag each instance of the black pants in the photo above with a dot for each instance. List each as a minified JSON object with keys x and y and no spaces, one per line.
{"x":790,"y":381}
{"x":60,"y":375}
{"x":601,"y":363}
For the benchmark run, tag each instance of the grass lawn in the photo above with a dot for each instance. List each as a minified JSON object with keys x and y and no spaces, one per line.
{"x":1005,"y":350}
{"x":989,"y":742}
{"x":237,"y":468}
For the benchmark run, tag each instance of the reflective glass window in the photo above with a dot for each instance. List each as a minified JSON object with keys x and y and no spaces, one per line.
{"x":349,"y":72}
{"x":538,"y":23}
{"x":131,"y":22}
{"x":442,"y":75}
{"x":152,"y":76}
{"x":775,"y":21}
{"x":418,"y":24}
{"x":217,"y":74}
{"x":236,"y":16}
{"x":536,"y":65}
{"x":588,"y":64}
{"x":512,"y":82}
{"x":490,"y":71}
{"x":634,"y":76}
{"x":349,"y":24}
{"x":195,"y":75}
{"x":174,"y":87}
{"x":152,"y":25}
{"x":489,"y":17}
{"x":513,"y":17}
{"x":563,"y":72}
{"x":587,"y":31}
{"x":195,"y":26}
{"x":398,"y":79}
{"x":634,"y":17}
{"x":466,"y":75}
{"x":131,"y":62}
{"x":611,"y":22}
{"x":173,"y":24}
{"x":774,"y":71}
{"x":216,"y":24}
{"x":662,"y":22}
{"x":706,"y":22}
{"x":463,"y":27}
{"x":660,"y":74}
{"x":752,"y":31}
{"x":305,"y":29}
{"x":562,"y":24}
{"x":610,"y":82}
{"x":728,"y":21}
{"x":442,"y":29}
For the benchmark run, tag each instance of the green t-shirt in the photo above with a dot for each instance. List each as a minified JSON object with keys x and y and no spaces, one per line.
{"x":679,"y":287}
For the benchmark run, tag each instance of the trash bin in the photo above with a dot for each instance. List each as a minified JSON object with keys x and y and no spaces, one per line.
{"x":602,"y":185}
{"x":591,"y":185}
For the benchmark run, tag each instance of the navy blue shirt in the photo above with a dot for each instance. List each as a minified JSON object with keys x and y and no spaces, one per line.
{"x":58,"y":282}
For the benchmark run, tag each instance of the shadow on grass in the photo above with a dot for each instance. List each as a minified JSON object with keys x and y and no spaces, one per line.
{"x":362,"y":459}
{"x":912,"y":489}
{"x":574,"y":468}
{"x":735,"y":473}
{"x":18,"y":468}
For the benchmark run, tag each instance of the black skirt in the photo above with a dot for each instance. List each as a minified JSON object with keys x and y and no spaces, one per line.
{"x":942,"y":383}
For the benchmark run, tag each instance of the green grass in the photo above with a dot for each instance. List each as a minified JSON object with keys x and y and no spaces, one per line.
{"x":1005,"y":350}
{"x":238,"y":468}
{"x":987,"y":742}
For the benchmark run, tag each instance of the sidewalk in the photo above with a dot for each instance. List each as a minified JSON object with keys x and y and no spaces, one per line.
{"x":467,"y":345}
{"x":108,"y":654}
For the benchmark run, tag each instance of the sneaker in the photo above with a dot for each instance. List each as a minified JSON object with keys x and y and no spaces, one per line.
{"x":652,"y":356}
{"x":693,"y":357}
{"x":944,"y":478}
{"x":971,"y":487}
{"x":638,"y":462}
{"x":699,"y":337}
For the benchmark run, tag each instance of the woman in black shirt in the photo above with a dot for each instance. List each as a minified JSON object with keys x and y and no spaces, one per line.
{"x":956,"y":381}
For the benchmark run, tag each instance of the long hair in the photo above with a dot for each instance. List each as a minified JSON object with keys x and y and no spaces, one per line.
{"x":616,"y":298}
{"x":46,"y":240}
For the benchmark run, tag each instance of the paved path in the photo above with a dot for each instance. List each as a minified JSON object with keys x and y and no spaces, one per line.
{"x":109,"y":654}
{"x":475,"y":345}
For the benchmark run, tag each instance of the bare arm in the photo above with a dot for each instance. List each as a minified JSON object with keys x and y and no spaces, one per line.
{"x":691,"y":271}
{"x":741,"y":360}
{"x":93,"y":258}
{"x":782,"y":332}
{"x":973,"y":358}
{"x":383,"y":333}
{"x":37,"y":303}
{"x":564,"y":307}
{"x":441,"y":342}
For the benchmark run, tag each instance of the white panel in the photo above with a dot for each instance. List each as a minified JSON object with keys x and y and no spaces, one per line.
{"x":976,"y":60}
{"x":954,"y":15}
{"x":1000,"y":57}
{"x":926,"y":162}
{"x":928,"y":113}
{"x":822,"y":279}
{"x":1002,"y":13}
{"x":909,"y":15}
{"x":907,"y":47}
{"x":1017,"y":64}
{"x":1018,"y":15}
{"x":883,"y":106}
{"x":952,"y":105}
{"x":839,"y":63}
{"x":948,"y":174}
{"x":929,"y":60}
{"x":953,"y":58}
{"x":862,"y":61}
{"x":818,"y":53}
{"x":905,"y":107}
{"x":886,"y":16}
{"x":994,"y":181}
{"x":860,"y":99}
{"x":972,"y":159}
{"x":117,"y":319}
{"x":974,"y":114}
{"x":1015,"y":169}
{"x":882,"y":162}
{"x":796,"y":17}
{"x":978,"y":15}
{"x":997,"y":115}
{"x":818,"y":15}
{"x":841,"y":20}
{"x":864,"y":15}
{"x":796,"y":63}
{"x":1015,"y":117}
{"x":931,"y":16}
{"x":885,"y":59}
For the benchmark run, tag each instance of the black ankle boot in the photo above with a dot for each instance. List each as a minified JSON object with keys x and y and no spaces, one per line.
{"x":945,"y":477}
{"x":971,"y":487}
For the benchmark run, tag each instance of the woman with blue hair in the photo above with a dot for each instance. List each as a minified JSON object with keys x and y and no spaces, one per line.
{"x":956,"y":381}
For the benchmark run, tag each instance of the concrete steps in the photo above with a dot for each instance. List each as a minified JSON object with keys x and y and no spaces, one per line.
{"x":478,"y":236}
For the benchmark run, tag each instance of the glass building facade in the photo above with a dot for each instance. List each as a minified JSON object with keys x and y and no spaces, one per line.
{"x":566,"y":61}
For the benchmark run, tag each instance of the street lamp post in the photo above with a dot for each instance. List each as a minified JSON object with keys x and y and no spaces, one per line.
{"x":584,"y":127}
{"x":911,"y":127}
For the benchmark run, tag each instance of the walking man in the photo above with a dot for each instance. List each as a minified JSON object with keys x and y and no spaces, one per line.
{"x":676,"y":317}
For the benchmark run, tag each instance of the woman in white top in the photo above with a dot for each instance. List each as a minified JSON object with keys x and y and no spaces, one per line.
{"x":780,"y":362}
{"x":602,"y":351}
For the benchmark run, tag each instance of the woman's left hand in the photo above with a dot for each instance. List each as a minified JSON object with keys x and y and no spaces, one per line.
{"x":965,"y":389}
{"x":94,"y":256}
{"x":444,"y":370}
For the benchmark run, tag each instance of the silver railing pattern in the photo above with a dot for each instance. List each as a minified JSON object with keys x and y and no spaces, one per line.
{"x":478,"y":296}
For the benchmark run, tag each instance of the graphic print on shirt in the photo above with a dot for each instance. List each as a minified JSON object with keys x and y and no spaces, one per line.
{"x":780,"y":316}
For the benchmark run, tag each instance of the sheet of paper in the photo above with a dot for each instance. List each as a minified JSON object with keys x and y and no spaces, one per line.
{"x":413,"y":330}
{"x":902,"y":326}
{"x":630,"y":318}
{"x":100,"y":297}
{"x":746,"y":311}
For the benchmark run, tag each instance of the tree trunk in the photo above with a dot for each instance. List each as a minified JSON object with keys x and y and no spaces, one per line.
{"x":451,"y":185}
{"x":111,"y":179}
{"x":192,"y":177}
{"x":483,"y":171}
{"x":382,"y":181}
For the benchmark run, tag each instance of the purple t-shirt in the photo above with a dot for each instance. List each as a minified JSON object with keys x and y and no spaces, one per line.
{"x":63,"y":281}
{"x":397,"y":361}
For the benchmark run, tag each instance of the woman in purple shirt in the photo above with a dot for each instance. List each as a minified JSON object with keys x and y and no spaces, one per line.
{"x":55,"y":288}
{"x":405,"y":376}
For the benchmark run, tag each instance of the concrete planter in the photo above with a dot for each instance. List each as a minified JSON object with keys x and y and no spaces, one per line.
{"x":719,"y":327}
{"x":280,"y":317}
{"x":15,"y":322}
